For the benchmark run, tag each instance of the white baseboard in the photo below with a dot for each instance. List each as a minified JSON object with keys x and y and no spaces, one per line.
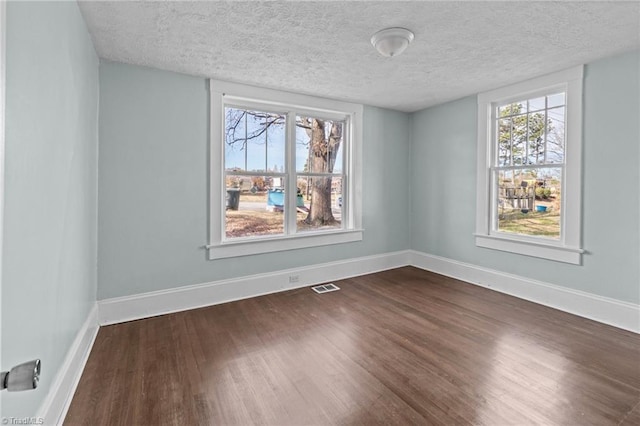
{"x":598,"y":308}
{"x":110,"y":311}
{"x":56,"y":404}
{"x":128,"y":308}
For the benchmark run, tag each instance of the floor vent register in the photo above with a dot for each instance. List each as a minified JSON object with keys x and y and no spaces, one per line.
{"x":325,"y":288}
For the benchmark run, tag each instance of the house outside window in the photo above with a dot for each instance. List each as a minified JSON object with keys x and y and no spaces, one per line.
{"x":285,"y":171}
{"x":529,"y":167}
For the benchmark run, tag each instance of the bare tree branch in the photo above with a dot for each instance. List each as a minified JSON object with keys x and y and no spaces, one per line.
{"x":235,"y":118}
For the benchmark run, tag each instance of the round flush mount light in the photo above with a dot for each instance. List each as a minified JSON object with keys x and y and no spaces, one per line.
{"x":392,"y":41}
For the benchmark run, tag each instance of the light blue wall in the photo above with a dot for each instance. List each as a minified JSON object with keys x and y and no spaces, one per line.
{"x":50,"y":218}
{"x":153,"y":199}
{"x":443,"y":159}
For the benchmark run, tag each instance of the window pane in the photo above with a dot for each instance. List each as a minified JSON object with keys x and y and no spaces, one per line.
{"x":234,"y":147}
{"x":536,"y":104}
{"x":536,"y":147}
{"x":519,"y":139}
{"x":253,"y":206}
{"x":555,"y":100}
{"x":529,"y":201}
{"x":320,"y":203}
{"x":275,"y":136}
{"x":256,"y":152}
{"x":555,"y":135}
{"x":318,"y":145}
{"x":512,"y":109}
{"x":504,"y":142}
{"x":254,"y":140}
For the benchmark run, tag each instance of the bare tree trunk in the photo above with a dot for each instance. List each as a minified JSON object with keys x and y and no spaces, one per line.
{"x":323,"y":157}
{"x":320,"y":212}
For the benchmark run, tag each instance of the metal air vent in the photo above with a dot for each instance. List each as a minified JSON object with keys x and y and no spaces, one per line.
{"x":325,"y":288}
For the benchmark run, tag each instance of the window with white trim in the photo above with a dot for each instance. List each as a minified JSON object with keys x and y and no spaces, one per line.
{"x":529,"y":167}
{"x":285,"y":171}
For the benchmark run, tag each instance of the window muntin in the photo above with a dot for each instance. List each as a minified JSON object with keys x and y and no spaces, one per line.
{"x":528,"y":162}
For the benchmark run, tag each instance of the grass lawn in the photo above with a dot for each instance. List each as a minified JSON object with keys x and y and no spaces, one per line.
{"x":249,"y":223}
{"x":243,"y":223}
{"x":259,"y":197}
{"x":543,"y":224}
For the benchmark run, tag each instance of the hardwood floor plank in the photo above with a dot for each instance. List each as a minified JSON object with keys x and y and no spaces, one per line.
{"x":633,"y":417}
{"x":398,"y":347}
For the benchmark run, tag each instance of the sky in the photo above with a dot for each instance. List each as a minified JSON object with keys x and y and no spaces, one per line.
{"x":268,"y":149}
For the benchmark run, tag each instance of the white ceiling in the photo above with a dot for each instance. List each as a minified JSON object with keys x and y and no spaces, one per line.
{"x":322,"y":48}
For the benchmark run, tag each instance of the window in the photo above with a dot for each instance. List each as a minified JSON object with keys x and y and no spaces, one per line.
{"x":285,"y":171}
{"x":529,"y":167}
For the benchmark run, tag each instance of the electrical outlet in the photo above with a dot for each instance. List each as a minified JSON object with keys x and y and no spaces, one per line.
{"x":294,"y":278}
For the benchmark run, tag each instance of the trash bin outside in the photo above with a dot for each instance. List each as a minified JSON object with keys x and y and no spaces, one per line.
{"x":233,"y":198}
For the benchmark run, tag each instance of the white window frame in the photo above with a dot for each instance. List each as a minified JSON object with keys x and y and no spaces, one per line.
{"x":222,"y":93}
{"x":568,"y":248}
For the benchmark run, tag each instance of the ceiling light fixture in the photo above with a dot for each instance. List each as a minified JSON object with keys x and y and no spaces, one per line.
{"x":392,"y":41}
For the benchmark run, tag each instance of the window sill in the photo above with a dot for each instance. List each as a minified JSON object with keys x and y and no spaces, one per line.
{"x":293,"y":242}
{"x":558,"y":253}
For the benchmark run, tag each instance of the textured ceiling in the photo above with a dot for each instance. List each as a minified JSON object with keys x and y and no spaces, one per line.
{"x":322,"y":48}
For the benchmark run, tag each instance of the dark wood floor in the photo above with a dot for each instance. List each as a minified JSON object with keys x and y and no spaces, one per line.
{"x":398,"y":347}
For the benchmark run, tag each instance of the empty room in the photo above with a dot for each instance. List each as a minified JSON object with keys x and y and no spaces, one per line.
{"x":319,"y":213}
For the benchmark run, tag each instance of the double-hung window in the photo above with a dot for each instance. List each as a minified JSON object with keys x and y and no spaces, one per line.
{"x":285,"y":171}
{"x":529,"y":157}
